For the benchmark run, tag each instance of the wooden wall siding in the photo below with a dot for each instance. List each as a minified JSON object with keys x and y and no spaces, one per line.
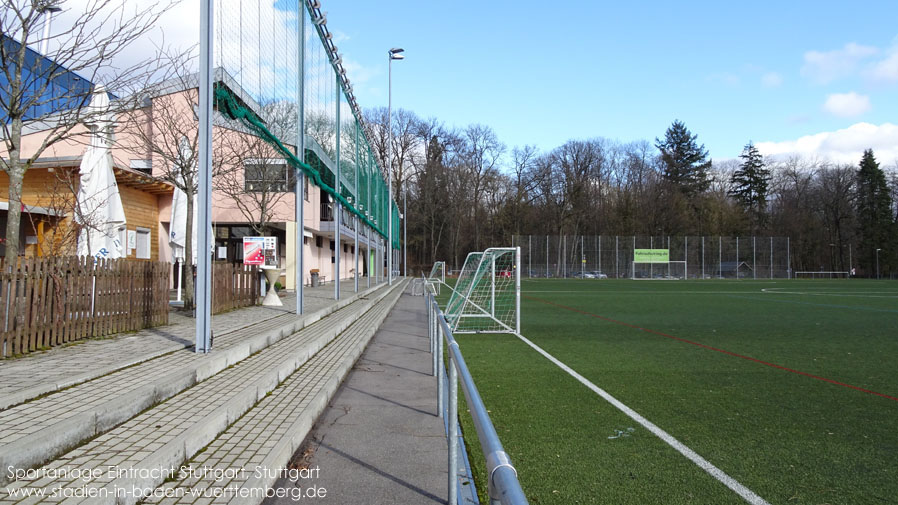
{"x":142,"y":210}
{"x":233,"y":286}
{"x":46,"y":302}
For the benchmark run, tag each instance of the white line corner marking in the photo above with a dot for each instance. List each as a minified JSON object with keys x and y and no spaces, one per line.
{"x":747,"y":494}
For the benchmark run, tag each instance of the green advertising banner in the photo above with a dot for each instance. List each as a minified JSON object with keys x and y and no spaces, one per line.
{"x":651,"y":255}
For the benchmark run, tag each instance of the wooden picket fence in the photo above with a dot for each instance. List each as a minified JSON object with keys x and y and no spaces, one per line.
{"x":46,"y":302}
{"x":233,"y":286}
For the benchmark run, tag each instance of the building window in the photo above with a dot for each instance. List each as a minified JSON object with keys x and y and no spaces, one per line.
{"x":267,"y":176}
{"x":143,"y":243}
{"x":318,"y":241}
{"x":145,"y":166}
{"x":306,"y":191}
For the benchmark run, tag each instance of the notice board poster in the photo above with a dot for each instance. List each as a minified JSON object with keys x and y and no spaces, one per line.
{"x":260,"y":251}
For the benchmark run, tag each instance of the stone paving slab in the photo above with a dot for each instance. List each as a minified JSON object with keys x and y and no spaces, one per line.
{"x":380,"y":441}
{"x":39,"y":373}
{"x":247,"y":458}
{"x":180,"y":426}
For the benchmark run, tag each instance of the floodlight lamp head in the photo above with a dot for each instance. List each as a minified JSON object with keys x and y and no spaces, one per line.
{"x":46,"y":6}
{"x":396,"y":50}
{"x":397,"y":57}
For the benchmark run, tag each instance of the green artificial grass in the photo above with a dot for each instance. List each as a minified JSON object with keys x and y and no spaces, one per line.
{"x":790,"y":438}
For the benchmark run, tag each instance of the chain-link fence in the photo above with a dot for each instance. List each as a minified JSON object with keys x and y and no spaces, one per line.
{"x":612,"y":256}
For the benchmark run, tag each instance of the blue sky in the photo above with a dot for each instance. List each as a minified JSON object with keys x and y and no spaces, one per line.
{"x":544,"y":72}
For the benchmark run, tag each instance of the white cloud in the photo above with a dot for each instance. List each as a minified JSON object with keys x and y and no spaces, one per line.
{"x":841,"y":146}
{"x":771,"y":80}
{"x":886,"y":69}
{"x":847,"y":104}
{"x":826,"y":66}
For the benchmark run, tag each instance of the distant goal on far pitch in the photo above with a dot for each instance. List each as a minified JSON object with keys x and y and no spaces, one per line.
{"x":656,"y":264}
{"x":487,"y":295}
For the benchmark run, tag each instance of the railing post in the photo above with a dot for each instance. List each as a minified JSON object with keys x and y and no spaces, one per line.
{"x":441,"y":390}
{"x":453,"y":431}
{"x":433,"y":334}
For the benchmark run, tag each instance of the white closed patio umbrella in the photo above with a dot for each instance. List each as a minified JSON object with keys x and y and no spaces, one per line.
{"x":100,"y":210}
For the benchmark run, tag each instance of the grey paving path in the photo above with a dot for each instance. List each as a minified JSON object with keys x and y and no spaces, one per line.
{"x":380,"y":440}
{"x":39,"y":373}
{"x":176,"y":429}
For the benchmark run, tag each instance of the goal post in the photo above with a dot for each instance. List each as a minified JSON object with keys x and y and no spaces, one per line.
{"x":487,"y":296}
{"x":669,"y":270}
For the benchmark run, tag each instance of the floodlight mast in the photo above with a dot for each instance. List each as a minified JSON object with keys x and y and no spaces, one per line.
{"x":47,"y":9}
{"x":393,"y":54}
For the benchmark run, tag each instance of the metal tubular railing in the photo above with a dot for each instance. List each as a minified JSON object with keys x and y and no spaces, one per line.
{"x":503,"y":485}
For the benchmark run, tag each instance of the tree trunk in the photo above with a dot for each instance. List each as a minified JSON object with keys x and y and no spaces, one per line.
{"x":188,"y":255}
{"x":16,"y":173}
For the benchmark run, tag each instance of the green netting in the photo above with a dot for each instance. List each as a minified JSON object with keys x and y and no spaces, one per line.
{"x":465,"y":278}
{"x":229,"y":105}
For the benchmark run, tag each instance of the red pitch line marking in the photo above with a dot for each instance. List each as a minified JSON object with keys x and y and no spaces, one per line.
{"x":724,"y":351}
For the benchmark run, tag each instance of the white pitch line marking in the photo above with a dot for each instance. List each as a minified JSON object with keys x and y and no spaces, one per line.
{"x":747,"y":494}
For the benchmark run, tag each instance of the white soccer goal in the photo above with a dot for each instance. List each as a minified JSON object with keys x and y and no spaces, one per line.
{"x":670,"y":270}
{"x":487,"y":296}
{"x":822,"y":275}
{"x":437,"y":276}
{"x":438,"y":272}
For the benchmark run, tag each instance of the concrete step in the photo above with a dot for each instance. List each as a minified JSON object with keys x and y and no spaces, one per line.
{"x":36,"y":432}
{"x":28,"y":377}
{"x":178,"y":427}
{"x":246,"y":459}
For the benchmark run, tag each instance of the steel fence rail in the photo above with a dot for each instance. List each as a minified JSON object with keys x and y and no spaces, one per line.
{"x":503,"y":485}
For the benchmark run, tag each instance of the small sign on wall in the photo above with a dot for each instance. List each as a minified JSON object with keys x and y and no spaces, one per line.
{"x":132,"y":241}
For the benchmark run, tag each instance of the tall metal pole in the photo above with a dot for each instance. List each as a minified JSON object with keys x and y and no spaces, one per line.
{"x":390,"y":168}
{"x":405,"y":233}
{"x":338,"y":209}
{"x":355,"y":222}
{"x":204,"y":197}
{"x":301,"y":154}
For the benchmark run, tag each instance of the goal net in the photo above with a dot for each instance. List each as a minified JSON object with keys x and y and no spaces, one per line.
{"x":486,"y":298}
{"x":438,"y":272}
{"x":671,"y":270}
{"x":437,"y":276}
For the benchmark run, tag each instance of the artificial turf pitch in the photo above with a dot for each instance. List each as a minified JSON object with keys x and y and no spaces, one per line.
{"x":787,"y":386}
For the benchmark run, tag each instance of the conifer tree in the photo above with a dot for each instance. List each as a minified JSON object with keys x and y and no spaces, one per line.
{"x":750,"y":183}
{"x":685,"y":163}
{"x":874,"y":212}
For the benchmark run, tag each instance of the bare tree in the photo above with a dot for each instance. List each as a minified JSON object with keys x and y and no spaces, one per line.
{"x":50,"y":95}
{"x":482,"y":154}
{"x":252,"y":173}
{"x":162,"y":126}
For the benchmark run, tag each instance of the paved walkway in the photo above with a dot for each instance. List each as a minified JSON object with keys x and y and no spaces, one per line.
{"x":379,"y":441}
{"x":39,"y":373}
